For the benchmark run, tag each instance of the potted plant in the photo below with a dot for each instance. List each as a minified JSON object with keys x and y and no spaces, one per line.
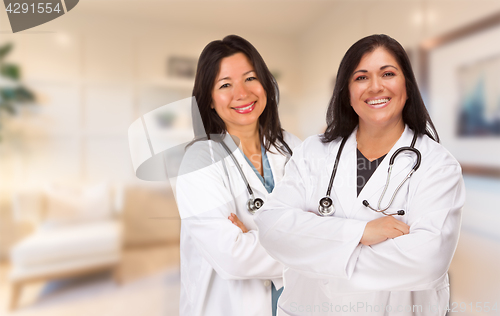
{"x":12,"y":92}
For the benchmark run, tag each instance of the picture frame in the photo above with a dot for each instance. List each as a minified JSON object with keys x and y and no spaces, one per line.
{"x":181,"y":67}
{"x":448,"y":64}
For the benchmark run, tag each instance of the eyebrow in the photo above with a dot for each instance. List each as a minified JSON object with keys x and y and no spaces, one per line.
{"x":381,"y":68}
{"x":227,"y":78}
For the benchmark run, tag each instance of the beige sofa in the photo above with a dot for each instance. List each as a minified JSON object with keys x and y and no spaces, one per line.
{"x":86,"y":229}
{"x":77,"y":231}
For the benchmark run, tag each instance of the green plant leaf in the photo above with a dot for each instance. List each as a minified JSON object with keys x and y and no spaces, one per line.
{"x":16,"y":95}
{"x":8,"y":94}
{"x":5,"y":49}
{"x":10,"y":71}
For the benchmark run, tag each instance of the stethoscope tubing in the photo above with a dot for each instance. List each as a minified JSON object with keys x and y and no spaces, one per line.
{"x":253,"y":203}
{"x":249,"y":188}
{"x":389,"y":172}
{"x":335,"y":166}
{"x":329,"y":210}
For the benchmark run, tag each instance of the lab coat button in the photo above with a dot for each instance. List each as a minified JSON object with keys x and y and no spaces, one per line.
{"x":267,"y":283}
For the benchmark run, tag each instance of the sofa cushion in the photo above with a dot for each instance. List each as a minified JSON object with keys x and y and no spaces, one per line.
{"x":58,"y":269}
{"x":49,"y":246}
{"x":72,"y":205}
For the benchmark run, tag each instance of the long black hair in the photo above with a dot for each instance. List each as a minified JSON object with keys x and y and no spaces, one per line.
{"x":206,"y":73}
{"x":341,"y":118}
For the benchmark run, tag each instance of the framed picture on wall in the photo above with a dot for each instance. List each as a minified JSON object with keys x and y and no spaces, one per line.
{"x":181,"y":67}
{"x":461,"y":72}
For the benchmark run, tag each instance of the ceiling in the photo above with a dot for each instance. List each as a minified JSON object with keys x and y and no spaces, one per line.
{"x":284,"y":16}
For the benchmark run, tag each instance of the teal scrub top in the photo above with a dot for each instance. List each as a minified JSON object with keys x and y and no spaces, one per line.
{"x":267,"y":180}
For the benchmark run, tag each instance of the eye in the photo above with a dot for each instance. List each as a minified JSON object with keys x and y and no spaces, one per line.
{"x":226,"y":85}
{"x":389,"y":74}
{"x":360,"y":78}
{"x":251,"y":78}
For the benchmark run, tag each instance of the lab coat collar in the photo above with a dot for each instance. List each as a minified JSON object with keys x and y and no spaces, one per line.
{"x":277,"y":162}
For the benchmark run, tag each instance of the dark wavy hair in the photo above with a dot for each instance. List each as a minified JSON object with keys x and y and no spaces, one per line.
{"x":341,"y":118}
{"x":206,"y":73}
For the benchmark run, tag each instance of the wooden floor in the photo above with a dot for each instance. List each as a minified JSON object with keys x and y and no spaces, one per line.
{"x":138,"y":262}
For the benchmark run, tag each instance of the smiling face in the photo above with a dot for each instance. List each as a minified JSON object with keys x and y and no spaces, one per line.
{"x":377,"y":90}
{"x":237,"y":96}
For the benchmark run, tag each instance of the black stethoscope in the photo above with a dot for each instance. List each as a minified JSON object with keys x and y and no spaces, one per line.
{"x":326,"y":207}
{"x":253,"y":203}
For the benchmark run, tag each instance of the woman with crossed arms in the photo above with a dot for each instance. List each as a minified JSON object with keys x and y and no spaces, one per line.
{"x":224,"y":268}
{"x":352,"y":260}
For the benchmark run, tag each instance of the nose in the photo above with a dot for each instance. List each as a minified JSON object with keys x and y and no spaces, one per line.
{"x":376,"y":85}
{"x":240,"y":91}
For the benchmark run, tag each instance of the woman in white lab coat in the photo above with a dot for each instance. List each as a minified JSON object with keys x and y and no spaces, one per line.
{"x":224,"y":269}
{"x":358,"y":261}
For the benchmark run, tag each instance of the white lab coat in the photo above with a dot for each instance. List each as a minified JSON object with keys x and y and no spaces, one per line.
{"x":224,"y":271}
{"x":328,"y":271}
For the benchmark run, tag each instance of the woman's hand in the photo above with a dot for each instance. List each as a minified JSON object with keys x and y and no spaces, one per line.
{"x":383,"y":228}
{"x":236,"y":221}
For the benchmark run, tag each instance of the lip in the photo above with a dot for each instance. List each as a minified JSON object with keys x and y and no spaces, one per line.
{"x":246,"y":108}
{"x":378,"y":106}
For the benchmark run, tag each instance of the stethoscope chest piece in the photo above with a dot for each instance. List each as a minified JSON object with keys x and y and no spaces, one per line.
{"x":325,"y":207}
{"x":254,"y":204}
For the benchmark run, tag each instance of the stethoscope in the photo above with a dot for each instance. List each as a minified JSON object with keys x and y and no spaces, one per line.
{"x":253,"y":203}
{"x":326,"y":207}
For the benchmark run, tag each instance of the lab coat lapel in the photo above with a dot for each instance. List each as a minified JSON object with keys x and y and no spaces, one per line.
{"x":402,"y":165}
{"x":344,"y":185}
{"x":277,"y":163}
